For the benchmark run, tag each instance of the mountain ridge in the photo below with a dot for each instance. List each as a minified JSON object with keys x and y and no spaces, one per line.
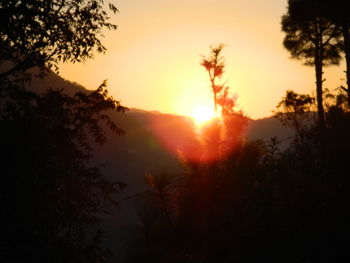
{"x":146,"y":147}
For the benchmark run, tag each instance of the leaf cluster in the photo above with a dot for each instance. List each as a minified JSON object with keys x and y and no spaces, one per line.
{"x":44,"y":33}
{"x":214,"y":65}
{"x":310,"y":34}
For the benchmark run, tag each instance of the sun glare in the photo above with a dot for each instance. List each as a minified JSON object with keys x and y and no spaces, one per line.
{"x":202,"y":114}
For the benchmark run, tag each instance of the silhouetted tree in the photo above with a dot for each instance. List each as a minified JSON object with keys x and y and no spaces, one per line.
{"x":296,"y":111}
{"x":51,"y":196}
{"x":44,"y":33}
{"x":338,"y":12}
{"x":313,"y":37}
{"x":230,"y":128}
{"x":214,"y":65}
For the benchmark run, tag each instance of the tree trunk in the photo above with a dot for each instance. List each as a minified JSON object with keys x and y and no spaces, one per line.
{"x":346,"y":35}
{"x":215,"y":102}
{"x":319,"y":91}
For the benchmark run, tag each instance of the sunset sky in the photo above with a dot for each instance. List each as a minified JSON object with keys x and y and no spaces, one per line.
{"x":153,"y":59}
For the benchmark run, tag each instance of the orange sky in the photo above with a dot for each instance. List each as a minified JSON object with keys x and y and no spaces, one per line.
{"x":152,"y":61}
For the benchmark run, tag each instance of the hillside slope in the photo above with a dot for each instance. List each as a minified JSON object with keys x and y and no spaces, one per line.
{"x":150,"y":144}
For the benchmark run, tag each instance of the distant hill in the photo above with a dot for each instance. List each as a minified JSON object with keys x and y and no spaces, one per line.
{"x":147,"y":146}
{"x":266,"y":128}
{"x":149,"y":135}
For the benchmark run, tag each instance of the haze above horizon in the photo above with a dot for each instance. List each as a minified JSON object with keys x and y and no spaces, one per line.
{"x":153,"y":59}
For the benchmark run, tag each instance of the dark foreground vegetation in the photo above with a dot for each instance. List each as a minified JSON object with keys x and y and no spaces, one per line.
{"x":257,"y":203}
{"x":236,"y":200}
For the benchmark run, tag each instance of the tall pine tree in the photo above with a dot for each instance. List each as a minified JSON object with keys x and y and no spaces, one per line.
{"x":314,"y":38}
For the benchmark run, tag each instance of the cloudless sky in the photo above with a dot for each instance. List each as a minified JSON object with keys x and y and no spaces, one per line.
{"x":153,"y":59}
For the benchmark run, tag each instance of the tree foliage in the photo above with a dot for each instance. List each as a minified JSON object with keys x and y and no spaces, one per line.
{"x":52,"y":197}
{"x":214,"y":65}
{"x":297,"y":112}
{"x":338,"y":12}
{"x":44,"y":33}
{"x":313,"y":37}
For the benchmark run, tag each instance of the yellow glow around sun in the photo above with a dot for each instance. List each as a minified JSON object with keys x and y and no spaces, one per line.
{"x":203,"y":114}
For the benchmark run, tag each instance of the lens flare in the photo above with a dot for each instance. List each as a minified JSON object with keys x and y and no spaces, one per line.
{"x":203,"y":114}
{"x":209,"y":142}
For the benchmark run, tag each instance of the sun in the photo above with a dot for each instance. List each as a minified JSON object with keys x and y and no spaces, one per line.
{"x":203,"y":114}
